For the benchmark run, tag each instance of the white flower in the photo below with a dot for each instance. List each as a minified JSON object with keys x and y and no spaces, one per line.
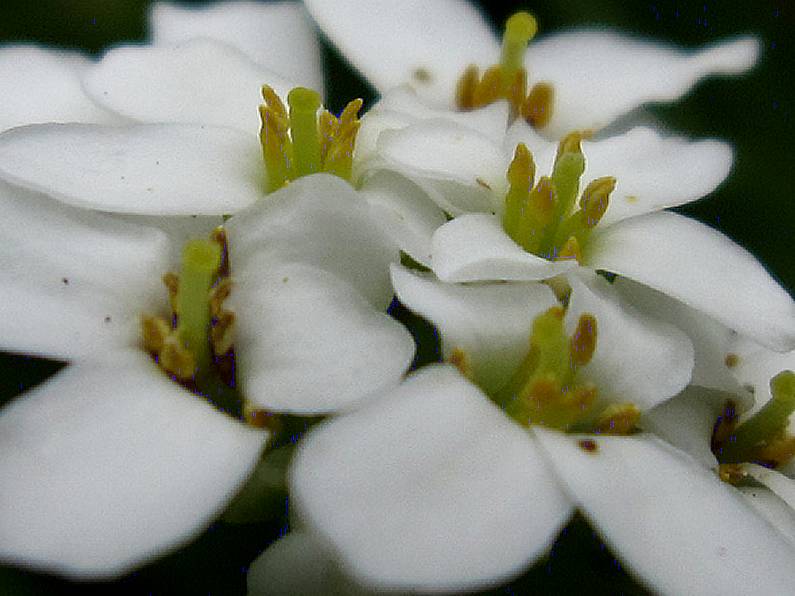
{"x":596,"y":75}
{"x":110,"y":463}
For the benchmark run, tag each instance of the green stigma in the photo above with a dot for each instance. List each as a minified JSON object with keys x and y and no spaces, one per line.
{"x":520,"y":28}
{"x":307,"y":139}
{"x":763,"y":437}
{"x":544,"y":219}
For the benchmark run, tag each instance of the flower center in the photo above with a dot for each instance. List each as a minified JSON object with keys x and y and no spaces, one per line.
{"x":307,"y":139}
{"x":508,"y":79}
{"x":763,"y":438}
{"x":194,"y":346}
{"x":541,"y":217}
{"x":545,"y":389}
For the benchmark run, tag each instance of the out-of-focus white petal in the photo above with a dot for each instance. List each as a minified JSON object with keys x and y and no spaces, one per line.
{"x":108,"y":465}
{"x":687,"y":421}
{"x":772,"y":508}
{"x":74,"y":283}
{"x":490,"y":323}
{"x":278,"y":35}
{"x":475,"y":247}
{"x":430,"y":488}
{"x":425,"y":44}
{"x":201,"y":81}
{"x":638,"y":359}
{"x":699,"y":266}
{"x":322,"y":221}
{"x":756,"y":365}
{"x":711,"y":339}
{"x":470,"y":164}
{"x":43,"y":85}
{"x":307,"y":342}
{"x":634,"y":488}
{"x":155,"y":169}
{"x":600,"y":75}
{"x":777,"y":482}
{"x":404,"y":212}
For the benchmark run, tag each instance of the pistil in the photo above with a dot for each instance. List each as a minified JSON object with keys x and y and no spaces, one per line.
{"x":304,"y":104}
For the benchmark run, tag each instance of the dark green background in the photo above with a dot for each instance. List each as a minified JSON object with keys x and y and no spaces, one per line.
{"x":755,"y":207}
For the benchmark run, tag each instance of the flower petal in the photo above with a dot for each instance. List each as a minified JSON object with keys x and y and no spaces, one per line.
{"x":200,"y":81}
{"x":637,"y":358}
{"x":425,"y":44}
{"x":320,"y":220}
{"x":756,"y":365}
{"x":671,"y":521}
{"x":489,"y":323}
{"x":687,"y":421}
{"x":471,"y":167}
{"x":278,"y":35}
{"x":781,"y":485}
{"x":307,"y":342}
{"x":108,"y":465}
{"x":474,"y":247}
{"x":600,"y":75}
{"x":404,"y":212}
{"x":699,"y":266}
{"x":430,"y":488}
{"x":46,"y":88}
{"x":711,"y":339}
{"x":74,"y":283}
{"x":780,"y":515}
{"x":154,"y":169}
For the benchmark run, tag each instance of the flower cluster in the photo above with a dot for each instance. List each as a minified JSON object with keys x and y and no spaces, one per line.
{"x":214,"y":255}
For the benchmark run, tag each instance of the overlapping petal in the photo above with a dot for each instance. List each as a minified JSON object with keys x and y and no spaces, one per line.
{"x":200,"y":81}
{"x":109,"y":464}
{"x":277,"y":35}
{"x":489,"y":323}
{"x":156,"y":169}
{"x":634,"y":488}
{"x":469,"y":500}
{"x":699,"y":266}
{"x":74,"y":283}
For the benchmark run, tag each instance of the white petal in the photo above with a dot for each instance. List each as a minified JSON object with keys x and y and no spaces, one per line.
{"x":297,"y":563}
{"x":687,"y":421}
{"x":474,"y":247}
{"x":674,"y":523}
{"x":756,"y":365}
{"x":781,"y":485}
{"x":702,"y":268}
{"x":653,"y":172}
{"x":469,"y":164}
{"x":490,"y":323}
{"x":711,"y":339}
{"x":319,"y":220}
{"x":600,"y":75}
{"x":278,"y":35}
{"x":404,"y":212}
{"x":154,"y":169}
{"x":425,"y":44}
{"x":200,"y":81}
{"x":780,"y":515}
{"x":74,"y":283}
{"x":43,"y":85}
{"x":108,"y":465}
{"x":430,"y":488}
{"x":307,"y":342}
{"x":638,"y":359}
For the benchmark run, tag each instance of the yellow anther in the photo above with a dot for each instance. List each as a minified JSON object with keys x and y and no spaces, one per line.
{"x":595,"y":199}
{"x":731,"y":360}
{"x":276,"y":148}
{"x":618,"y":419}
{"x":536,"y":216}
{"x":537,"y":107}
{"x":489,"y":89}
{"x":570,"y":250}
{"x":218,"y":294}
{"x":583,"y":342}
{"x":461,"y":360}
{"x":171,"y":281}
{"x":732,"y":473}
{"x":222,"y":335}
{"x":522,"y":170}
{"x":327,"y":126}
{"x":571,"y":143}
{"x":465,"y":89}
{"x":273,"y":102}
{"x":176,"y":359}
{"x":154,"y":332}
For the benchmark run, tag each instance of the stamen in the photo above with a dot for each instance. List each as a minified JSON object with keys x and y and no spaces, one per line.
{"x":154,"y":332}
{"x":537,"y":107}
{"x":200,"y":262}
{"x":304,"y":104}
{"x":490,"y":88}
{"x":766,"y":426}
{"x":520,"y":28}
{"x":583,"y":342}
{"x":618,"y":419}
{"x":462,"y":362}
{"x":570,"y":250}
{"x":566,"y":173}
{"x":276,"y":144}
{"x":171,"y":281}
{"x":176,"y":359}
{"x":521,"y":174}
{"x":465,"y":88}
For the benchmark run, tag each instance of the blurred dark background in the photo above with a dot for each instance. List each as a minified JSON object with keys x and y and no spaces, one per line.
{"x":755,"y":207}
